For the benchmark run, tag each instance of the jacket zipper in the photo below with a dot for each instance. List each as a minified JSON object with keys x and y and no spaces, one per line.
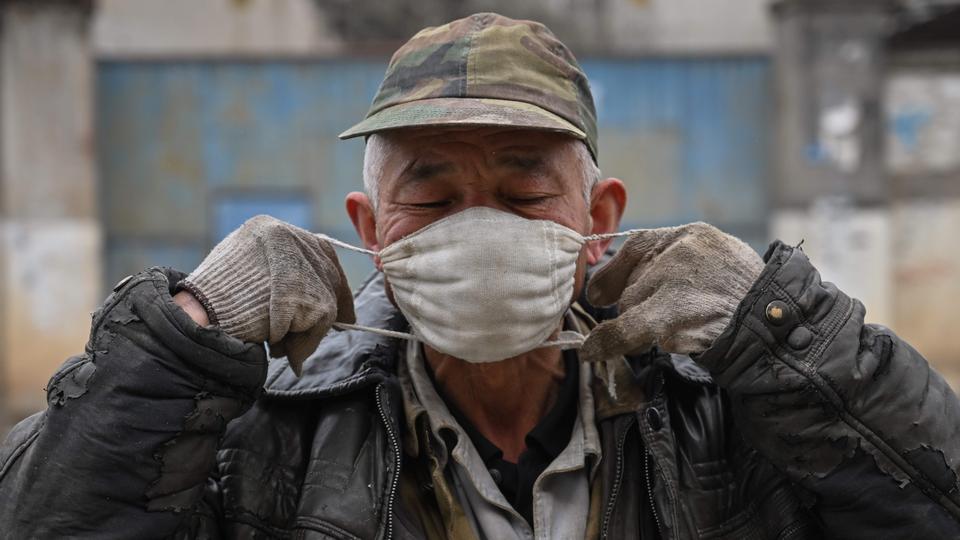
{"x":653,"y":504}
{"x":396,"y":462}
{"x":648,"y":457}
{"x":617,"y":480}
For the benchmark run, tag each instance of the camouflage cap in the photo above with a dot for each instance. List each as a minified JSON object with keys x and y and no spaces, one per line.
{"x":484,"y":70}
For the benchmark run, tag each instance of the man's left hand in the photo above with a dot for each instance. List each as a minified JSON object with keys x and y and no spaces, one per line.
{"x":676,"y":288}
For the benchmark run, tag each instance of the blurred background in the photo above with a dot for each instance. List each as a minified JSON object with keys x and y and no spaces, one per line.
{"x":136,"y":133}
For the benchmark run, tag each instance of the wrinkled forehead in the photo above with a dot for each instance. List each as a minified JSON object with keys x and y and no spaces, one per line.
{"x":397,"y":148}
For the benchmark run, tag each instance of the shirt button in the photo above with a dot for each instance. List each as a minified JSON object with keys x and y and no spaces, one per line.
{"x":799,"y":338}
{"x":654,"y":419}
{"x":497,"y":477}
{"x":777,"y":312}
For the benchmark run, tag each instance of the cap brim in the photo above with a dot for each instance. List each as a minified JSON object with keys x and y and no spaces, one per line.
{"x":452,"y":112}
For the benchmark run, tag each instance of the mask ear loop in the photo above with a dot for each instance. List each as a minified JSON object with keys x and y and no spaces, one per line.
{"x":345,"y":245}
{"x":604,"y":236}
{"x":372,"y":330}
{"x":588,"y":238}
{"x":565,"y":340}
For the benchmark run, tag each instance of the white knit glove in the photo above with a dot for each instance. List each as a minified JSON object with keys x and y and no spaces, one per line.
{"x":271,"y":281}
{"x":676,"y":288}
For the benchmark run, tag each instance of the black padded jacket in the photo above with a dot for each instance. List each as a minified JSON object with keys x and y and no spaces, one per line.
{"x":799,"y":422}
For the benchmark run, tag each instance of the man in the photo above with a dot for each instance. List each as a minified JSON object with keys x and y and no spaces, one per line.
{"x":732,"y":397}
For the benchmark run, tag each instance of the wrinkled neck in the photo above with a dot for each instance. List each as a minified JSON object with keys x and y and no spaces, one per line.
{"x":503,"y":400}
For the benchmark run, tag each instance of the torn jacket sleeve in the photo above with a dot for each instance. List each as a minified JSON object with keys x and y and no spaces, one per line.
{"x":128,"y":441}
{"x":847,"y":410}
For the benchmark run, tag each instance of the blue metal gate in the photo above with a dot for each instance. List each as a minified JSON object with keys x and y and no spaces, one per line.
{"x":189,"y":149}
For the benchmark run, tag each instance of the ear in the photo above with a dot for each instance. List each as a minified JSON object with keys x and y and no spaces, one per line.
{"x":607,"y":202}
{"x":364,"y":221}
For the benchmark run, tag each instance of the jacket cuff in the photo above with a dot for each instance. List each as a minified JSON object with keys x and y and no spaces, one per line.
{"x":788,"y":306}
{"x":216,"y":354}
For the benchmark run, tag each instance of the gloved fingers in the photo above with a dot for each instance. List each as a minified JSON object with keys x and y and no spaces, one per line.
{"x":297,"y":347}
{"x":632,"y":332}
{"x":608,"y":283}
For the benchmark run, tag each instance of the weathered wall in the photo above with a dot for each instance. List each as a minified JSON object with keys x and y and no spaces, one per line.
{"x":922,"y":109}
{"x":49,"y":229}
{"x":830,"y":188}
{"x":689,"y":26}
{"x":926,"y":271}
{"x":209,"y":28}
{"x":265,"y":27}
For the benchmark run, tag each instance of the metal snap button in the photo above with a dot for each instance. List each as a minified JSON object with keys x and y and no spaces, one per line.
{"x":777,"y":312}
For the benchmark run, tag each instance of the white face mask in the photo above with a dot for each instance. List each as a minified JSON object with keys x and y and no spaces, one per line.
{"x":484,"y":285}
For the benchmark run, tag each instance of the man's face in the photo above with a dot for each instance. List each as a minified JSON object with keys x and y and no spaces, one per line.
{"x":431,"y":173}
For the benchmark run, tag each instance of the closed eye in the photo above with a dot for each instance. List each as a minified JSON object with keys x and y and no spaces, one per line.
{"x":530,"y":199}
{"x":431,"y":204}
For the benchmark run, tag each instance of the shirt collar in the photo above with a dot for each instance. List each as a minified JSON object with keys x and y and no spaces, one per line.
{"x":421,"y":400}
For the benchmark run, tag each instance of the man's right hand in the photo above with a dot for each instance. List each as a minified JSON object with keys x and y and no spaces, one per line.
{"x":271,"y":281}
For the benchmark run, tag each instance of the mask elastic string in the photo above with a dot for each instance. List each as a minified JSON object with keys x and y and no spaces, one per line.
{"x":372,"y":330}
{"x":604,"y":236}
{"x":566,"y":340}
{"x":345,"y":245}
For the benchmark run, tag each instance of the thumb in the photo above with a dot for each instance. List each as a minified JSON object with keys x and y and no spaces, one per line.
{"x":607,"y":284}
{"x":631,"y":332}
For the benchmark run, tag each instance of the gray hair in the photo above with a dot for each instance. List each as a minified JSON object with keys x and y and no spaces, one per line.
{"x":378,"y":147}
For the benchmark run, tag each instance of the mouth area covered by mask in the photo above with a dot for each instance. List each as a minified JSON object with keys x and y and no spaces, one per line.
{"x":483,"y":285}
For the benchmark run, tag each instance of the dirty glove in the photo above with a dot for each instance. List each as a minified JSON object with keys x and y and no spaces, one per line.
{"x":676,"y":288}
{"x":271,"y":281}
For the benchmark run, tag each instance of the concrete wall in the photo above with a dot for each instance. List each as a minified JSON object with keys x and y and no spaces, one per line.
{"x":689,"y":26}
{"x":926,"y":271}
{"x":49,"y":227}
{"x":922,"y":110}
{"x":830,"y":59}
{"x":285,"y":27}
{"x":210,"y":28}
{"x":830,"y":189}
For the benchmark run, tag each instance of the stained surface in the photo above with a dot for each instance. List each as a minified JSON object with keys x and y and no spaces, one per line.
{"x":189,"y":149}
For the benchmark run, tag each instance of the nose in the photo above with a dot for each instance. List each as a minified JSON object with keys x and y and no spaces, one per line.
{"x":482,"y":197}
